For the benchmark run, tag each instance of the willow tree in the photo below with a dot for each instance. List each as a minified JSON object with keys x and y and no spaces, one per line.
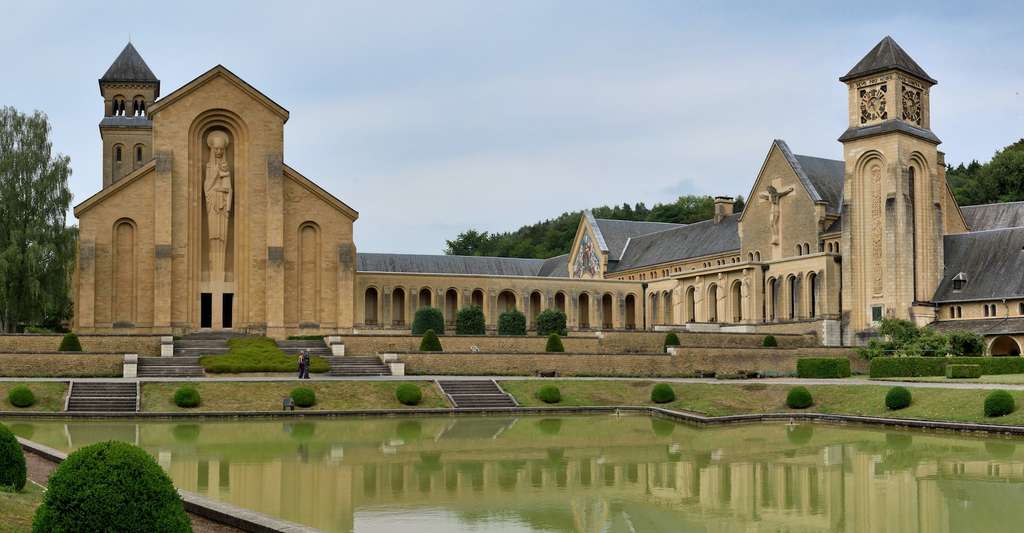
{"x":36,"y":249}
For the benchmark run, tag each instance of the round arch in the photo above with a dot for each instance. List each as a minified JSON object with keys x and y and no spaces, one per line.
{"x":736,"y":301}
{"x":371,"y":299}
{"x":713,"y":302}
{"x":1003,"y":345}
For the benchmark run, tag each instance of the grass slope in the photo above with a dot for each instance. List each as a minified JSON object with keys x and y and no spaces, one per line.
{"x":257,"y":354}
{"x":18,"y":508}
{"x":49,"y":395}
{"x":958,"y":405}
{"x":267,"y":396}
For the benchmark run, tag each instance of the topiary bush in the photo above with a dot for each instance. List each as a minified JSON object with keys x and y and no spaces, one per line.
{"x":823,"y":367}
{"x":663,"y":393}
{"x":551,"y":321}
{"x":549,"y":394}
{"x":470,"y":321}
{"x":999,"y":403}
{"x":897,"y":398}
{"x":186,"y":397}
{"x":303,"y":397}
{"x":671,"y":339}
{"x":512,"y":322}
{"x":408,"y":394}
{"x":890,"y":367}
{"x":21,"y":396}
{"x":554,"y":344}
{"x":430,"y":342}
{"x":769,"y":341}
{"x":427,"y":318}
{"x":12,"y":461}
{"x":963,"y":371}
{"x":70,"y":343}
{"x":111,"y":486}
{"x":799,"y":398}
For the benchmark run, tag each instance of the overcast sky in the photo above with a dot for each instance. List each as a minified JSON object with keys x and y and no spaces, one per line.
{"x":431,"y":117}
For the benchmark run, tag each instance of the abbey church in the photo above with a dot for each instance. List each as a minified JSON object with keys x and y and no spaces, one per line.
{"x":202,"y":225}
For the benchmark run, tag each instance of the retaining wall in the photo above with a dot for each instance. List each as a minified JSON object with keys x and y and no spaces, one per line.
{"x":33,"y":343}
{"x":61,"y":365}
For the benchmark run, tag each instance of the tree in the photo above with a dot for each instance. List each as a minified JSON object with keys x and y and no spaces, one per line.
{"x":999,"y":180}
{"x":36,"y":249}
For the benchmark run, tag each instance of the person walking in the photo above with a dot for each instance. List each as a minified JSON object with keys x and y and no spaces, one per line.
{"x":302,"y":365}
{"x":305,"y":364}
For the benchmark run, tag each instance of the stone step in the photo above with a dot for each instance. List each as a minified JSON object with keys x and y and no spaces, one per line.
{"x":168,"y":361}
{"x":476,"y":394}
{"x":171,"y":372}
{"x":102,"y":396}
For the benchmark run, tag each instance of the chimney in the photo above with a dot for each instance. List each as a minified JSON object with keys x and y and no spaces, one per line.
{"x":723,"y":207}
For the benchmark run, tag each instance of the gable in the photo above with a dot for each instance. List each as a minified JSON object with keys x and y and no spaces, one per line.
{"x":821,"y":179}
{"x":215,"y":73}
{"x":588,"y":255}
{"x":320,"y":193}
{"x":112,"y":190}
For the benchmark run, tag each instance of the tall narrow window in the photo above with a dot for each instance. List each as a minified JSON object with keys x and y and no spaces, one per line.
{"x":138,"y":154}
{"x":913,"y":229}
{"x":117,"y":154}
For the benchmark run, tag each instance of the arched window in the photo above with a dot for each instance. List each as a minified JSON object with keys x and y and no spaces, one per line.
{"x":959,"y":312}
{"x":425,"y":297}
{"x":584,"y":311}
{"x":667,"y":310}
{"x":713,"y":303}
{"x":985,"y":309}
{"x":736,"y":294}
{"x":138,"y":153}
{"x":370,"y":306}
{"x":117,"y":106}
{"x":952,"y":312}
{"x":691,"y":305}
{"x":812,"y":289}
{"x":398,"y":307}
{"x":560,"y":301}
{"x":606,"y":312}
{"x":655,"y":309}
{"x":451,"y":306}
{"x":118,"y":153}
{"x":757,"y":256}
{"x":773,"y":298}
{"x":1020,"y":309}
{"x":630,"y":311}
{"x":139,"y":106}
{"x":807,"y":248}
{"x":799,"y":249}
{"x":794,"y":297}
{"x":535,"y":305}
{"x":506,"y":301}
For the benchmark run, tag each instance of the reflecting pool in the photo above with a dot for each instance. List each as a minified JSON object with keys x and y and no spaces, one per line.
{"x":579,"y":473}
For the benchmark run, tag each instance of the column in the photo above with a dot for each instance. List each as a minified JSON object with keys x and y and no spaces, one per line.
{"x":164,"y":251}
{"x":275,"y":246}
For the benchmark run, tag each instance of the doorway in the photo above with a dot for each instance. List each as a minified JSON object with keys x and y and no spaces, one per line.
{"x":206,"y":310}
{"x":229,"y":298}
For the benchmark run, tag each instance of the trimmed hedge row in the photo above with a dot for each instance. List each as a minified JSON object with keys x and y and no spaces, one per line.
{"x":963,"y":371}
{"x":823,"y":367}
{"x":906,"y":367}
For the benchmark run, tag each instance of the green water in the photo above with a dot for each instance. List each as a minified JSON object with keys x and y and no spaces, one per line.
{"x":584,"y":474}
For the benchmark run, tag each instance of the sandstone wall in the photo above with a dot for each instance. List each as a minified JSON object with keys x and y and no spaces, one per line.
{"x":60,"y":365}
{"x":114,"y":344}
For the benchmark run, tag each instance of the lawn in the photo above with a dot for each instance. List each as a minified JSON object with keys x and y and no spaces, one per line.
{"x":18,"y":508}
{"x":61,"y":365}
{"x":959,"y":405}
{"x":49,"y":395}
{"x":267,"y":396}
{"x":257,"y":354}
{"x":1005,"y":379}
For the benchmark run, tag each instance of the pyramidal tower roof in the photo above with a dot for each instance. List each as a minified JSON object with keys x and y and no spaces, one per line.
{"x":129,"y":67}
{"x":887,"y":55}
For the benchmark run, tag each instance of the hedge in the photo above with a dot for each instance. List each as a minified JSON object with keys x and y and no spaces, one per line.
{"x":186,"y":397}
{"x":554,"y":344}
{"x":427,"y":318}
{"x":551,"y":321}
{"x":799,"y":398}
{"x":70,"y":343}
{"x":512,"y":323}
{"x":905,"y":367}
{"x":999,"y":403}
{"x":408,"y":394}
{"x":111,"y":486}
{"x":963,"y":371}
{"x":470,"y":321}
{"x":430,"y":342}
{"x":12,"y":461}
{"x":257,"y":354}
{"x":823,"y":367}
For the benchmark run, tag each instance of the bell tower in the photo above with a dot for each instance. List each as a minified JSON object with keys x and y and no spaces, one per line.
{"x":892,"y":201}
{"x":128,"y":89}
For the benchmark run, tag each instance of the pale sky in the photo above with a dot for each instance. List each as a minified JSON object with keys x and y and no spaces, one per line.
{"x":430,"y":118}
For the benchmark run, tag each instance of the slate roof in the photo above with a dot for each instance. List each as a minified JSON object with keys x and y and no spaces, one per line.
{"x":982,"y":326}
{"x":684,"y":242}
{"x":992,"y":260}
{"x":130,"y":67}
{"x":555,"y":267}
{"x":859,"y":132}
{"x":884,"y":56}
{"x":458,"y":264}
{"x":617,"y":232}
{"x":126,"y":122}
{"x":826,"y":177}
{"x":993,"y":216}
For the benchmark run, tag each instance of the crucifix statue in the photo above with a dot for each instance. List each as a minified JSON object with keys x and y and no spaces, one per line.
{"x":773,"y":195}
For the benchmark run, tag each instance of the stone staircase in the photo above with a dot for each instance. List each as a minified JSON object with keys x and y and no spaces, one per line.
{"x":477,"y":394}
{"x":350,"y":365}
{"x":315,"y":347}
{"x":179,"y":366}
{"x":207,"y":343}
{"x":103,"y":396}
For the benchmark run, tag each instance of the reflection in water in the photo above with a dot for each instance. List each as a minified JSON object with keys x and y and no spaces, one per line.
{"x":579,"y":474}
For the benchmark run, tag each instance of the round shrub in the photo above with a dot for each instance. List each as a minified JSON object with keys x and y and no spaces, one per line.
{"x":897,"y":398}
{"x":408,"y":394}
{"x":799,"y":398}
{"x":769,"y":341}
{"x":12,"y":461}
{"x":512,"y":323}
{"x":427,"y":318}
{"x":663,"y":393}
{"x":186,"y":397}
{"x":70,"y":343}
{"x":999,"y":403}
{"x":430,"y":342}
{"x":554,"y":344}
{"x":111,"y":486}
{"x":671,"y":339}
{"x":303,"y":397}
{"x":551,"y":321}
{"x":549,"y":394}
{"x":470,"y":321}
{"x":21,"y":396}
